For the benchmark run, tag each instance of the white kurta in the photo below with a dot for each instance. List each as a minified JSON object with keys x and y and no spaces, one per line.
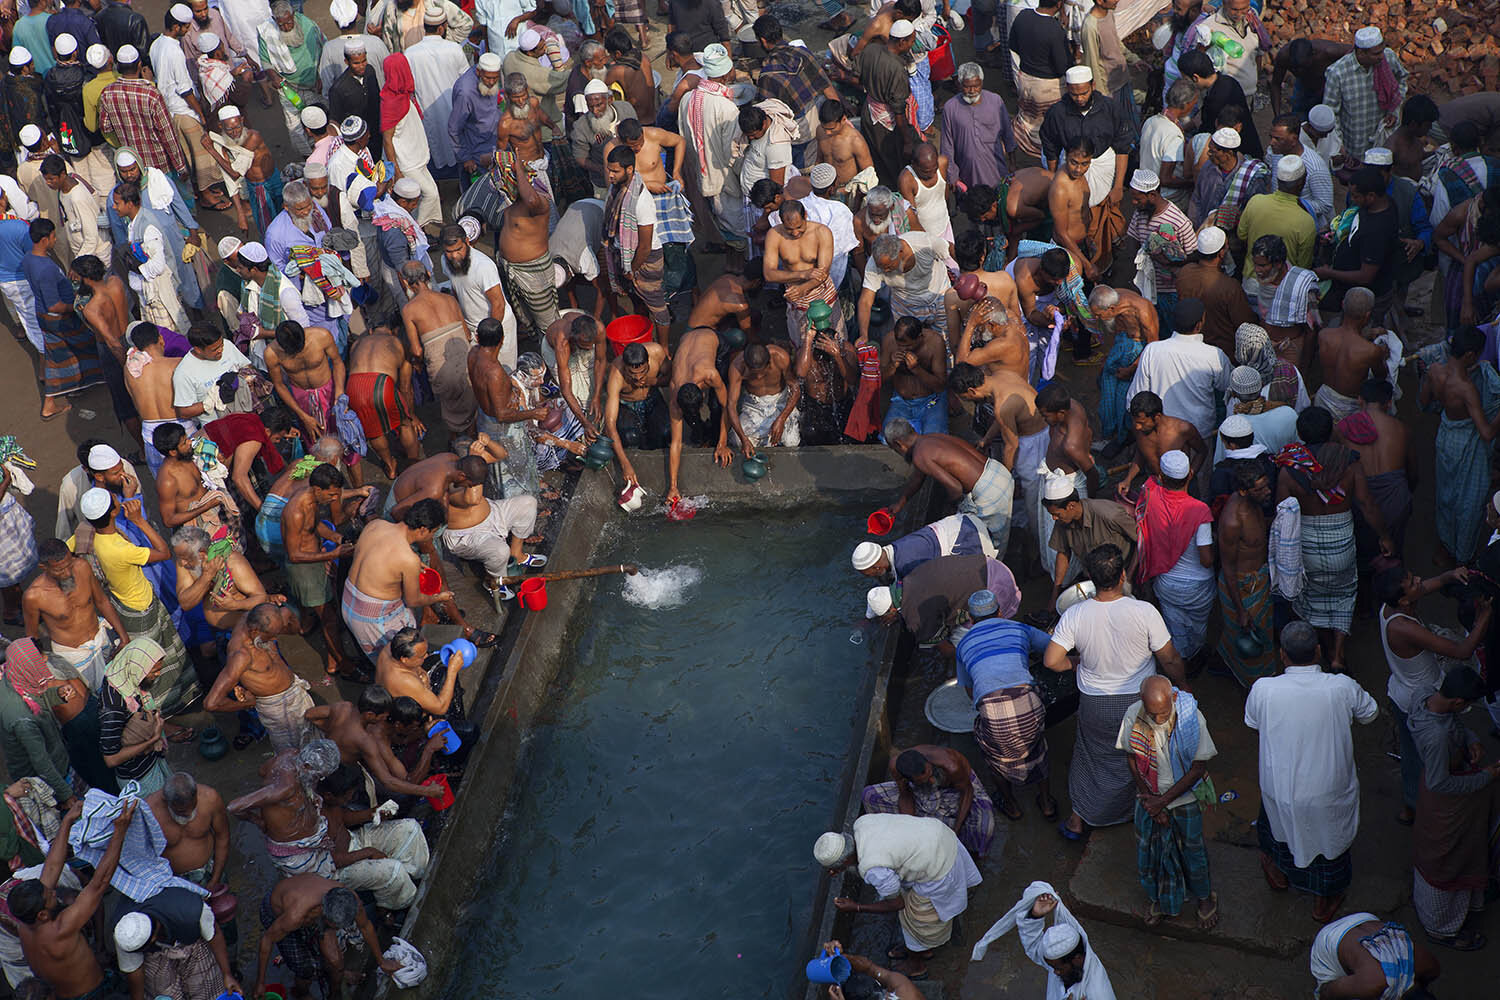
{"x":436,"y":65}
{"x":243,"y":17}
{"x":1308,"y":783}
{"x":495,"y":15}
{"x":156,"y":282}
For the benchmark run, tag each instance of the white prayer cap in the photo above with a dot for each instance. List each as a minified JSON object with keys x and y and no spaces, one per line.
{"x":878,"y":601}
{"x":207,"y":42}
{"x":1290,"y":168}
{"x":134,"y":929}
{"x":343,"y":12}
{"x":1078,"y":74}
{"x":97,"y":56}
{"x":1320,"y":117}
{"x":434,"y":14}
{"x":181,"y":13}
{"x":355,"y":47}
{"x":470,"y":226}
{"x":314,"y":117}
{"x":596,"y":87}
{"x":314,"y":170}
{"x":1059,"y":941}
{"x":94,"y":503}
{"x":1203,"y":35}
{"x":229,"y":111}
{"x":1211,"y":239}
{"x":1144,"y":181}
{"x":127,"y":54}
{"x":1226,"y":138}
{"x":353,"y":127}
{"x":715,"y":60}
{"x":529,"y":40}
{"x":125,"y":158}
{"x":228,"y":245}
{"x":253,"y":252}
{"x":831,"y":848}
{"x":102,"y":458}
{"x":822,"y":175}
{"x":1368,"y":38}
{"x":1174,"y":465}
{"x":20,"y":55}
{"x":407,"y":187}
{"x":489,"y":62}
{"x":1236,"y":425}
{"x":1058,"y":487}
{"x":1379,"y":156}
{"x":866,"y":554}
{"x":1245,"y":382}
{"x":902,"y":29}
{"x":1161,"y":37}
{"x":66,"y":44}
{"x":30,"y":135}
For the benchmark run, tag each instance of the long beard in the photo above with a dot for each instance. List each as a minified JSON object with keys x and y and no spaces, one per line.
{"x":293,"y":38}
{"x":971,"y":98}
{"x":460,"y":267}
{"x":68,"y":585}
{"x":597,"y":74}
{"x":302,"y":222}
{"x":490,"y":91}
{"x":883,"y":227}
{"x":520,"y":112}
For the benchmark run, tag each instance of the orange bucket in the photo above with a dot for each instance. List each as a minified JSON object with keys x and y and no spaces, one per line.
{"x":446,"y":799}
{"x":532,"y":594}
{"x":627,"y":330}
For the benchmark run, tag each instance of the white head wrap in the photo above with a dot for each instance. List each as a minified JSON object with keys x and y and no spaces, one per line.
{"x":878,"y":601}
{"x":866,"y":554}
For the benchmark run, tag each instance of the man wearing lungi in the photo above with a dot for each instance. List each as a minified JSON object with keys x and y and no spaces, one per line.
{"x":286,"y":809}
{"x":307,"y":919}
{"x":381,"y":592}
{"x":1176,"y":553}
{"x":171,"y":945}
{"x":1245,"y":576}
{"x":1469,"y":392}
{"x":69,"y":600}
{"x":1385,"y":452}
{"x":70,"y":353}
{"x":939,"y":782}
{"x":1380,"y":953}
{"x":1348,"y":354}
{"x":635,"y":257}
{"x":1040,"y":44}
{"x":257,"y":677}
{"x":763,"y":393}
{"x":437,"y":336}
{"x":1086,"y":114}
{"x":982,"y":486}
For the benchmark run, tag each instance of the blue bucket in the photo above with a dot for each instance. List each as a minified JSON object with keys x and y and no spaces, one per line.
{"x":451,"y":741}
{"x":831,"y":969}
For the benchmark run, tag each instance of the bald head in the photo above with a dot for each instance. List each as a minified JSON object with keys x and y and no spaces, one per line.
{"x":925,"y":156}
{"x":1156,"y":697}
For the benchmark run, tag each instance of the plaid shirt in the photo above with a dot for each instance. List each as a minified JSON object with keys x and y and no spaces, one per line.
{"x":793,"y":77}
{"x":1250,"y":178}
{"x":1168,"y":237}
{"x":133,"y":109}
{"x":1349,"y":89}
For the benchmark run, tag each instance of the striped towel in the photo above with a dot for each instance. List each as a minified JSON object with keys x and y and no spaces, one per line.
{"x":1287,"y":575}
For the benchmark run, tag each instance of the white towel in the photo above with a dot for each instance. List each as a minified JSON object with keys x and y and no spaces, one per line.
{"x":413,"y":965}
{"x":1287,"y":575}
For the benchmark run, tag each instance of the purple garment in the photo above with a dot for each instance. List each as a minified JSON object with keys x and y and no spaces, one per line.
{"x":1491,"y":333}
{"x":174,"y":343}
{"x":976,"y":140}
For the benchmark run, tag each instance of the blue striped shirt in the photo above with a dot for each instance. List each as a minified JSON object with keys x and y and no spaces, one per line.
{"x":996,"y":654}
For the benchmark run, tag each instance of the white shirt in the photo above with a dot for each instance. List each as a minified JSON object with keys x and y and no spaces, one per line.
{"x":1116,"y":642}
{"x":1189,"y":567}
{"x":81,"y":220}
{"x":470,"y":291}
{"x":926,"y":278}
{"x":645,"y":215}
{"x":761,"y":157}
{"x":1187,"y":374}
{"x":1162,"y":142}
{"x":1308,"y":784}
{"x":1166,"y":776}
{"x":1328,"y":147}
{"x":1094,"y":985}
{"x":172,"y":79}
{"x":194,"y":376}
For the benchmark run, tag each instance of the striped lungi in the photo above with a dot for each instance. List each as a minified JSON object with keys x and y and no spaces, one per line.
{"x":1255,"y":597}
{"x":177,"y":686}
{"x":1185,"y":602}
{"x":927,"y":307}
{"x":1099,"y":784}
{"x":373,"y":621}
{"x":17,"y":542}
{"x":282,"y":715}
{"x":991,"y":500}
{"x":70,"y":361}
{"x":1011,"y":730}
{"x":532,"y":289}
{"x":1328,"y":557}
{"x":941,"y":802}
{"x":1035,"y":95}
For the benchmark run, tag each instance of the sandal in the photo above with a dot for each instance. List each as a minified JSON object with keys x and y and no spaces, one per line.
{"x":1048,"y":814}
{"x":532,"y":560}
{"x":1464,"y":940}
{"x":482,"y":639}
{"x":1154,"y":916}
{"x":1273,"y":876}
{"x":1073,"y":835}
{"x":1208,"y":921}
{"x":1013,"y":813}
{"x":1323,"y":913}
{"x":184,"y":734}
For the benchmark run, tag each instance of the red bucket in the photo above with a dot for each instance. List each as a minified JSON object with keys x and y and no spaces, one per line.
{"x":532,"y":594}
{"x":880,"y":522}
{"x":940,"y":58}
{"x":429,"y":581}
{"x":446,"y":799}
{"x":627,"y":330}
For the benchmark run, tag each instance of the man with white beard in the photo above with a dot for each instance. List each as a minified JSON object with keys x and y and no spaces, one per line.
{"x":475,"y":118}
{"x":298,"y":250}
{"x":300,"y":223}
{"x":331,"y":63}
{"x":435,"y":64}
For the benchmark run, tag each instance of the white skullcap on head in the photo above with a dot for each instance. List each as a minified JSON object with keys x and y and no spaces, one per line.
{"x":1202,"y":35}
{"x":529,"y":40}
{"x":1236,"y":425}
{"x":229,"y":111}
{"x":102,"y":458}
{"x":1211,"y":239}
{"x":489,"y":62}
{"x":902,"y":29}
{"x":1059,"y":941}
{"x":434,"y":14}
{"x":1368,"y":38}
{"x":1290,"y":168}
{"x":1379,"y":156}
{"x":866,"y":554}
{"x":181,"y":13}
{"x":596,"y":87}
{"x":1078,"y":74}
{"x":1495,"y":501}
{"x":1320,"y":117}
{"x":66,"y":44}
{"x":1144,"y":180}
{"x":253,"y":252}
{"x":134,"y":929}
{"x":831,"y":848}
{"x":94,"y":503}
{"x":20,"y":55}
{"x":343,"y":12}
{"x":407,"y":187}
{"x":314,"y":117}
{"x":353,"y":127}
{"x":127,"y":54}
{"x":125,"y":158}
{"x":207,"y":42}
{"x":1226,"y":138}
{"x":1245,"y":382}
{"x":228,"y":245}
{"x":355,"y":47}
{"x":1058,"y":487}
{"x":314,"y":169}
{"x":878,"y":601}
{"x":823,"y":175}
{"x":97,"y":56}
{"x":30,"y":135}
{"x":1175,"y":465}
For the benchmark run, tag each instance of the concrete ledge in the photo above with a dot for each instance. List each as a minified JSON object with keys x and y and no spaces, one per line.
{"x":1252,"y":917}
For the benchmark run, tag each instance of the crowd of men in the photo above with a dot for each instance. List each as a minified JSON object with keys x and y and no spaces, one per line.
{"x":877,"y":267}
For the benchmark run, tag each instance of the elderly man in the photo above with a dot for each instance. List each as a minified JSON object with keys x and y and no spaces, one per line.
{"x":982,"y":485}
{"x":547,"y":82}
{"x":71,"y":603}
{"x":290,"y":45}
{"x":257,"y":677}
{"x":917,"y":866}
{"x":311,"y":916}
{"x":1348,"y":355}
{"x":1365,"y":89}
{"x":1167,"y":744}
{"x":475,"y":118}
{"x":1244,"y":178}
{"x":1120,"y":642}
{"x":245,"y":165}
{"x":1309,"y":789}
{"x":709,"y":120}
{"x":1163,"y":144}
{"x":1188,"y":374}
{"x":1285,"y":299}
{"x":954,"y":535}
{"x":437,"y":336}
{"x":1073,"y":967}
{"x":1086,"y":114}
{"x":595,"y":129}
{"x":436,"y":62}
{"x":912,"y":266}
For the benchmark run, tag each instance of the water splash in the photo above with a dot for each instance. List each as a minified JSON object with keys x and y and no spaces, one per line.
{"x":667,"y":587}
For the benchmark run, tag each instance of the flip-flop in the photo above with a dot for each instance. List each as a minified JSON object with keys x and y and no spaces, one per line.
{"x":1153,"y":916}
{"x":1274,"y":878}
{"x":1208,"y":921}
{"x":1072,"y":835}
{"x":1464,"y":940}
{"x":482,"y":639}
{"x":532,"y":560}
{"x":53,"y":416}
{"x":1047,"y":814}
{"x":186,"y":734}
{"x":1013,"y":816}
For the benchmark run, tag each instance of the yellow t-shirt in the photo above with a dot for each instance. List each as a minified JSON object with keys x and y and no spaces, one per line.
{"x":121,"y":561}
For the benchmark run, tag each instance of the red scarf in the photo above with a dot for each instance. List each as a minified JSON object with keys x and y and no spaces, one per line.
{"x":399,"y":94}
{"x":1166,"y":521}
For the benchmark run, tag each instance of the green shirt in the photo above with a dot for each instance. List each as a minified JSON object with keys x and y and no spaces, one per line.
{"x":1280,"y":214}
{"x":33,"y":744}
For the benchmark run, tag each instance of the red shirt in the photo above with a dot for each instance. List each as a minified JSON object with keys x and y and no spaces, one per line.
{"x":234,"y":430}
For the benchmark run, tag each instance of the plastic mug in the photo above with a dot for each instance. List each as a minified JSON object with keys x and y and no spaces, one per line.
{"x":830,"y":969}
{"x":462,"y":646}
{"x":451,"y":741}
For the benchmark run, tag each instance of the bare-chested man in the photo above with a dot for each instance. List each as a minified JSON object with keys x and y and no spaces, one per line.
{"x":248,"y":189}
{"x":257,"y":676}
{"x":522,"y":120}
{"x":380,"y":394}
{"x":634,"y":411}
{"x":974,"y":283}
{"x":285,"y":808}
{"x":307,"y":371}
{"x":631,"y":69}
{"x":52,"y":935}
{"x":345,"y":723}
{"x":182,"y":495}
{"x":579,"y":359}
{"x":828,"y":366}
{"x":729,"y":297}
{"x":884,"y":211}
{"x":799,"y":256}
{"x":492,"y":533}
{"x":981,"y":485}
{"x":993,"y":338}
{"x":1155,"y":435}
{"x":1243,"y":542}
{"x":1038,"y":283}
{"x":437,"y":336}
{"x":914,"y":363}
{"x":526,"y":256}
{"x":312,"y":549}
{"x":225,"y":584}
{"x":402,"y":671}
{"x":839,"y":143}
{"x":149,"y":382}
{"x":195,"y":823}
{"x":328,"y":915}
{"x":1348,"y":355}
{"x":697,"y":396}
{"x":1004,"y":400}
{"x":1463,"y":439}
{"x":435,"y":477}
{"x":1069,"y":453}
{"x":503,"y":414}
{"x":1125,"y":313}
{"x":107,"y":313}
{"x":68,"y":599}
{"x":763,"y":396}
{"x":647,"y":142}
{"x":1068,"y":204}
{"x":1024,"y":205}
{"x":1389,"y":461}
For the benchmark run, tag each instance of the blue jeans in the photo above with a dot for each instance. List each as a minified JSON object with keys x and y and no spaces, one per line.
{"x":928,"y":414}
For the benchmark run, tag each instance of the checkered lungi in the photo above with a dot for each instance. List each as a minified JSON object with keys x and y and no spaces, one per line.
{"x":1172,"y":859}
{"x":1323,"y":877}
{"x":1011,"y":731}
{"x":299,"y":949}
{"x":188,"y":973}
{"x":17,"y":542}
{"x":1328,"y":557}
{"x":942,"y":803}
